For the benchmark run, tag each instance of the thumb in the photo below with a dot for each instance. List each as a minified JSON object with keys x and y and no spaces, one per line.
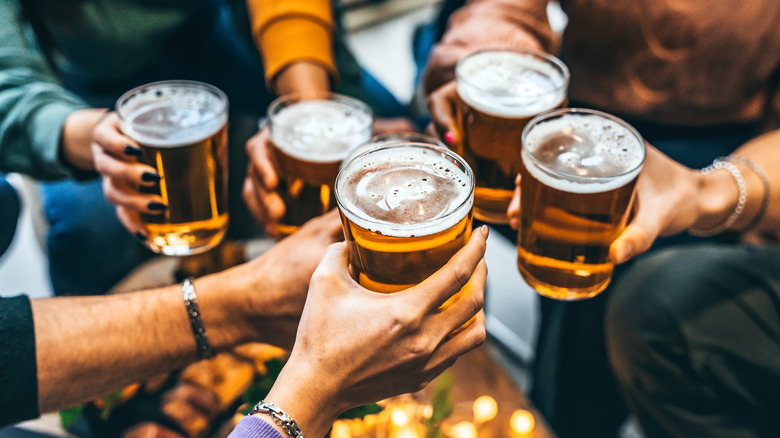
{"x":634,"y":240}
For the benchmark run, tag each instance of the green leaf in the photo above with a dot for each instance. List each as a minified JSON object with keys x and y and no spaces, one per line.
{"x":442,"y":405}
{"x":69,"y":416}
{"x":361,"y":411}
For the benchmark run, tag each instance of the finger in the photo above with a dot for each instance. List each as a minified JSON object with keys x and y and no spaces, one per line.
{"x":261,"y":159}
{"x":130,"y":172}
{"x":465,"y":340}
{"x":442,"y":106}
{"x":122,"y":195}
{"x":634,"y":240}
{"x":458,"y":312}
{"x":131,"y":220}
{"x":199,"y":398}
{"x":110,"y":138}
{"x":328,"y":225}
{"x":269,"y":200}
{"x":513,"y":211}
{"x":451,"y":278}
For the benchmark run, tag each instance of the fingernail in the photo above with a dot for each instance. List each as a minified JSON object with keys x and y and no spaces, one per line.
{"x":156,"y":206}
{"x":484,"y":230}
{"x":133,"y":151}
{"x":449,"y":137}
{"x":140,"y":236}
{"x":150,"y":177}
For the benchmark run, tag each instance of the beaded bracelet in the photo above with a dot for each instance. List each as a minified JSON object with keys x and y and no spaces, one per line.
{"x":764,"y":180}
{"x":720,"y":163}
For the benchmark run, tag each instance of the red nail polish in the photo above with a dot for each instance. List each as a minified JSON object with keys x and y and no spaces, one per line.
{"x":449,"y":137}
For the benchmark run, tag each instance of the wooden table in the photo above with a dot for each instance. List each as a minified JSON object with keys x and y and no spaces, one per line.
{"x":479,"y":373}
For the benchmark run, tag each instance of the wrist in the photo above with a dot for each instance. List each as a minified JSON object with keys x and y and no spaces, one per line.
{"x":76,"y":138}
{"x":717,"y":198}
{"x":304,"y":397}
{"x":301,"y":77}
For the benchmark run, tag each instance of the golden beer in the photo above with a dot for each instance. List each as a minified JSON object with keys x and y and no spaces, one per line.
{"x":406,"y":210}
{"x":580,"y":168}
{"x":311,"y":135}
{"x":499,"y":92}
{"x":181,"y":127}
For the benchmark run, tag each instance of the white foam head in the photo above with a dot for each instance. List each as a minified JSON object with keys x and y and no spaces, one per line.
{"x":405,"y":190}
{"x":512,"y":83}
{"x":582,"y":151}
{"x":171,"y":114}
{"x":321,"y":130}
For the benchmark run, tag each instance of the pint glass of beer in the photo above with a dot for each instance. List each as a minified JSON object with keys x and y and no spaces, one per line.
{"x":499,"y":92}
{"x":579,"y":171}
{"x":181,"y":127}
{"x":311,"y":134}
{"x":406,"y":210}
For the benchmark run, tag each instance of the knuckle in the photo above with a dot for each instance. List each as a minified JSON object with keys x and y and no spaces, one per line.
{"x":461,"y":275}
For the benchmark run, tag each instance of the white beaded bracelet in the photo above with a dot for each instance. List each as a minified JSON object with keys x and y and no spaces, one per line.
{"x":721,"y":163}
{"x":755,"y":167}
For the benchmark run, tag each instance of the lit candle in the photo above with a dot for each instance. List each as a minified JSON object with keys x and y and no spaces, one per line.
{"x":399,"y":417}
{"x":340,"y":429}
{"x":485,"y":409}
{"x":522,"y":422}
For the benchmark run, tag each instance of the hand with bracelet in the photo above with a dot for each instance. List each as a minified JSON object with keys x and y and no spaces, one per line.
{"x":355,"y":346}
{"x":734,"y":194}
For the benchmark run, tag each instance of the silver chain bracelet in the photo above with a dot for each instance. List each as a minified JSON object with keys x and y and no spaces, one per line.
{"x":280,"y":417}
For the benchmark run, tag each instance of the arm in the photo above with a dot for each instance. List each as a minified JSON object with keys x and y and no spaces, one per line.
{"x":672,"y":198}
{"x":295,"y":39}
{"x":146,"y":333}
{"x":34,"y":109}
{"x":482,"y":24}
{"x":355,"y":346}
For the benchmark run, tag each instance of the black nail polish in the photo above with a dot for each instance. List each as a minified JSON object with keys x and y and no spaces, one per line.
{"x":150,"y":177}
{"x":157,"y":206}
{"x":140,"y":236}
{"x":133,"y":151}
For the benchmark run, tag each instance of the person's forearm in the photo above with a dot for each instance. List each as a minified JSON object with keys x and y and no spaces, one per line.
{"x":301,"y":77}
{"x":719,"y":193}
{"x":90,"y":346}
{"x":765,"y":152}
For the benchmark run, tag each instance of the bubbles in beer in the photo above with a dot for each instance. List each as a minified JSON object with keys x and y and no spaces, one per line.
{"x":583,"y":146}
{"x":510,"y":84}
{"x":320,"y":130}
{"x":172,"y":116}
{"x":403,"y":187}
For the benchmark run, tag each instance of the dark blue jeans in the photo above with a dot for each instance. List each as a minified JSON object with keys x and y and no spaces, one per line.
{"x":10,"y":208}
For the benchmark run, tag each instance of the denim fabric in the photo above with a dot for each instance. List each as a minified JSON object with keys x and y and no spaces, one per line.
{"x":10,"y":207}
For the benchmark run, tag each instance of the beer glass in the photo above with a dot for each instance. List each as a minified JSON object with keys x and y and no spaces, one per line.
{"x":579,"y":171}
{"x":499,"y":91}
{"x":406,"y":209}
{"x":181,"y":127}
{"x":310,"y":135}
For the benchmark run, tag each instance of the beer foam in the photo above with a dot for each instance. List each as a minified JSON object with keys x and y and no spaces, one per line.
{"x":404,"y":192}
{"x":320,"y":130}
{"x":170,"y":116}
{"x":585,"y":153}
{"x":510,"y":84}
